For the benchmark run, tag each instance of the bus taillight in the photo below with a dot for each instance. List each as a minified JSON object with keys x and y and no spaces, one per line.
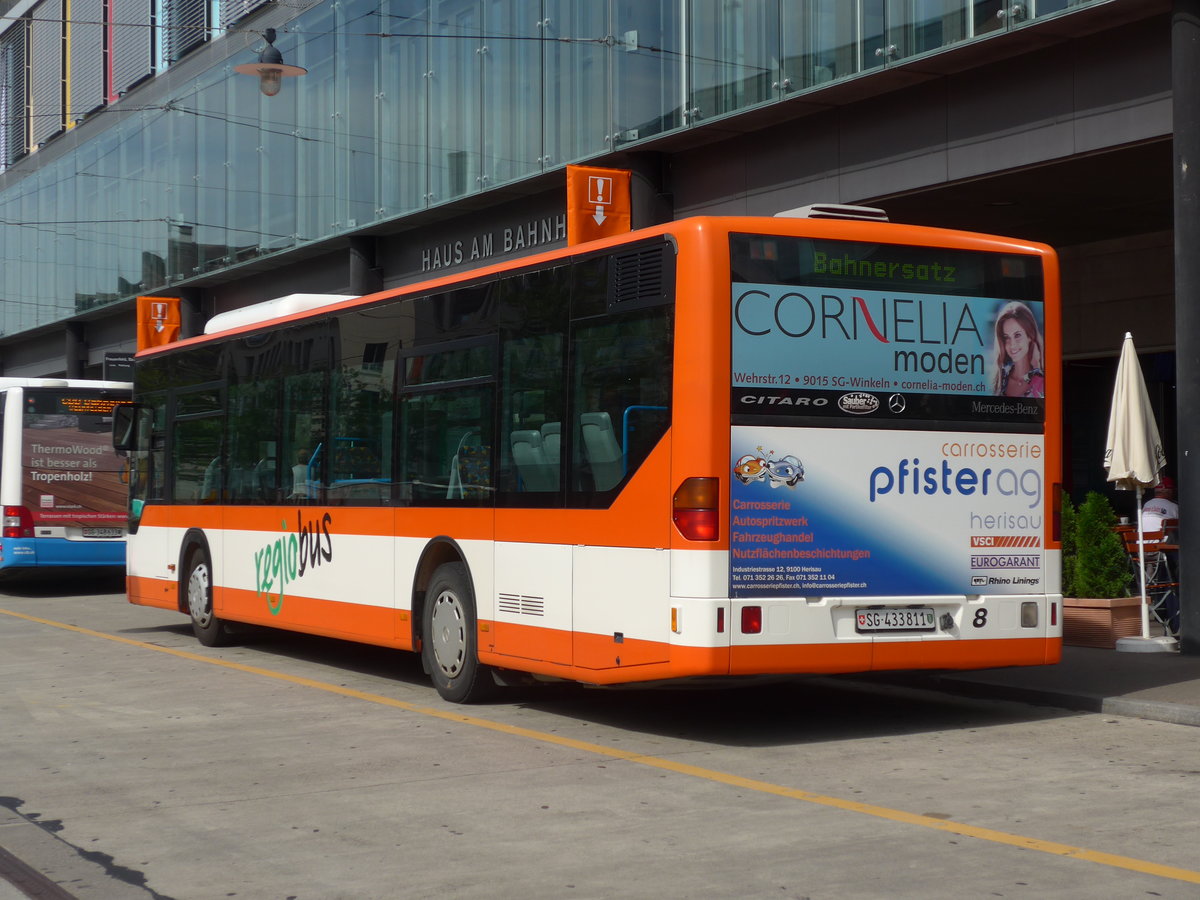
{"x":17,"y":522}
{"x":697,"y":509}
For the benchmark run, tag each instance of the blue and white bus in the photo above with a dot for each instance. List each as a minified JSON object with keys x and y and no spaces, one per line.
{"x":63,"y":488}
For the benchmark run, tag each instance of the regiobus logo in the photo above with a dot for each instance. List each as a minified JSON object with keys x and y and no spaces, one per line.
{"x":286,"y":558}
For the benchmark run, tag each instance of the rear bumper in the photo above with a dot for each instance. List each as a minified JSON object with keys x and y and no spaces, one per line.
{"x":18,"y":553}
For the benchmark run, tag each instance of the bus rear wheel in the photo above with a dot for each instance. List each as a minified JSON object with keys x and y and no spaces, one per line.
{"x":449,"y":638}
{"x":209,"y":630}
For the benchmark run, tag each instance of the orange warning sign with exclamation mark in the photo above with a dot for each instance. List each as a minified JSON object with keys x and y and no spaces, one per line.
{"x":597,"y":203}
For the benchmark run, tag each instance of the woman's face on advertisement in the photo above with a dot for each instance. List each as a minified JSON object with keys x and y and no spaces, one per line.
{"x":1016,"y":341}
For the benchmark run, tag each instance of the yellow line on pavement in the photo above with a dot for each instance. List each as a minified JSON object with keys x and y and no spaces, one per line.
{"x":880,"y":812}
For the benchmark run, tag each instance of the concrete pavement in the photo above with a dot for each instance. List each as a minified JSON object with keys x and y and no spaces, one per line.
{"x":1161,"y":686}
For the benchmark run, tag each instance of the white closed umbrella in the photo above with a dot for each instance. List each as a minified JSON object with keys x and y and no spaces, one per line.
{"x":1133,"y":453}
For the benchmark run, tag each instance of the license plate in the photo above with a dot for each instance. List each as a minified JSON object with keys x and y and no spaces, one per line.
{"x":103,"y":532}
{"x":915,"y":619}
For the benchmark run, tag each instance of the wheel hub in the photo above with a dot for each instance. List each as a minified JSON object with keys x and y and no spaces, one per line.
{"x":448,"y":634}
{"x":197,"y":596}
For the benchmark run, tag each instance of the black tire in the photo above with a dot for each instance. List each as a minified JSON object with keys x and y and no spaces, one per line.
{"x":450,"y":639}
{"x":197,"y":590}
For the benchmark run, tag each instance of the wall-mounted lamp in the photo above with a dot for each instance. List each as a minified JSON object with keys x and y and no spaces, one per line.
{"x":270,"y":68}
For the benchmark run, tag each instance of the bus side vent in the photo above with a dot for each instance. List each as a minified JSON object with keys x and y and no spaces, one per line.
{"x":834,"y":211}
{"x":639,"y":277}
{"x":520,"y":605}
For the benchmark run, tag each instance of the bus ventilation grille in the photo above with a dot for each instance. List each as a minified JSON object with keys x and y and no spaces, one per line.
{"x":637,"y":276}
{"x":520,"y":605}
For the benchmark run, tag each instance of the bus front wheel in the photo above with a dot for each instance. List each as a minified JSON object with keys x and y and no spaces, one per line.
{"x":209,"y":630}
{"x":449,"y":638}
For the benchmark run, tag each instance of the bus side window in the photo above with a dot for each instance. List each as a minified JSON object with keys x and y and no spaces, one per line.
{"x":357,"y":464}
{"x":620,"y":398}
{"x":446,"y":446}
{"x":196,"y":464}
{"x":446,"y":424}
{"x":253,"y":433}
{"x":303,"y":400}
{"x":534,"y":313}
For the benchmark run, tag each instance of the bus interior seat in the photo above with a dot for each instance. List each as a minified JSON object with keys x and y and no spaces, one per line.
{"x":601,"y":450}
{"x":532,"y":465}
{"x":552,"y":441}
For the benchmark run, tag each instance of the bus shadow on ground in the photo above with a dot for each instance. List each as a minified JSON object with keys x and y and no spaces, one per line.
{"x":751,"y":712}
{"x":785,"y":711}
{"x":40,"y":583}
{"x":362,"y":659}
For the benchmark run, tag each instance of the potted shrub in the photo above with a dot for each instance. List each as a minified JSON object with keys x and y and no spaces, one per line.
{"x":1097,"y":608}
{"x":1067,"y":527}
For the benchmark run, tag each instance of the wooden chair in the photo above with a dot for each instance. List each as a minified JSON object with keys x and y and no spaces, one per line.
{"x":1159,"y":552}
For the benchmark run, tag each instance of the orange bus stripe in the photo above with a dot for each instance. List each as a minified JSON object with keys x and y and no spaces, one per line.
{"x":152,"y":592}
{"x":383,"y":626}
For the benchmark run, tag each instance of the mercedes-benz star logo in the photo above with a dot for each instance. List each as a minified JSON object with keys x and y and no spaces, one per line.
{"x":896,"y":403}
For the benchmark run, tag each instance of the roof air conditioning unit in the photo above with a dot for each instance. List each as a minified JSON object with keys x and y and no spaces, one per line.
{"x":834,"y":211}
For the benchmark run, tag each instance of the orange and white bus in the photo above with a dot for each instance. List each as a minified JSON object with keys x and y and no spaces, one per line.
{"x":720,"y":446}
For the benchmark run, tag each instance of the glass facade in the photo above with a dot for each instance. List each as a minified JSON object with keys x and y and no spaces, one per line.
{"x":409,"y":104}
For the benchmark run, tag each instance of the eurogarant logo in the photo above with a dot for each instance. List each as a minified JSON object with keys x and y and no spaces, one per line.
{"x":1032,"y":561}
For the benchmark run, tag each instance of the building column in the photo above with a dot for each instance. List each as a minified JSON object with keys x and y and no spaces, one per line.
{"x":192,"y":314}
{"x":75,"y":351}
{"x":651,"y":201}
{"x":1185,"y":93}
{"x":365,"y":277}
